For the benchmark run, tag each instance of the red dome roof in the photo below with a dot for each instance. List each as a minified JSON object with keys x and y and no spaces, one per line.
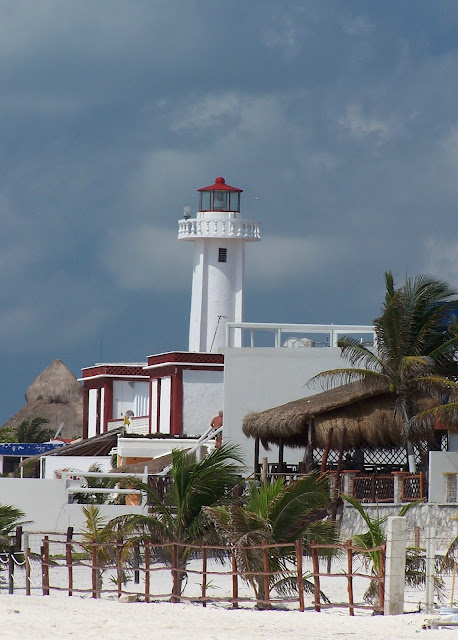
{"x":220,"y":185}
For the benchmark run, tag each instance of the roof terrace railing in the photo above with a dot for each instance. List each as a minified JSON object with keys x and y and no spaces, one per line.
{"x":280,"y":331}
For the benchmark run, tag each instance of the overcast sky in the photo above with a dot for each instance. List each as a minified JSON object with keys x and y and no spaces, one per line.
{"x":341,"y":117}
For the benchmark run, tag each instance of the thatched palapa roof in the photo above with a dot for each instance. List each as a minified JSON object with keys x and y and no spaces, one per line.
{"x":367,"y":413}
{"x":57,"y":396}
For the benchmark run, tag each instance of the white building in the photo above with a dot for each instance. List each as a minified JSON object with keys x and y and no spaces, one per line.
{"x":179,"y":392}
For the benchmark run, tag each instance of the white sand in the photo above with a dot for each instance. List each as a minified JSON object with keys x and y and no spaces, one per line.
{"x":60,"y":617}
{"x":50,"y":618}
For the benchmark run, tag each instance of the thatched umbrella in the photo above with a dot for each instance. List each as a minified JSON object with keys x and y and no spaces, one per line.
{"x":367,"y":414}
{"x":57,"y":396}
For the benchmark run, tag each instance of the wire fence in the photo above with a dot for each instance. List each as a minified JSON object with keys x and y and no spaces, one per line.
{"x":71,"y":566}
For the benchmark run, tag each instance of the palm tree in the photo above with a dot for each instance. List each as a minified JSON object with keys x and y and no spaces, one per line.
{"x":276,"y":513}
{"x":98,"y":535}
{"x":414,"y":356}
{"x":374,"y":536}
{"x":10,"y":518}
{"x":178,"y":517}
{"x":34,"y":431}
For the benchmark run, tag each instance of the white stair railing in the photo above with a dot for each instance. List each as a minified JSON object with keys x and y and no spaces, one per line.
{"x":208,"y":435}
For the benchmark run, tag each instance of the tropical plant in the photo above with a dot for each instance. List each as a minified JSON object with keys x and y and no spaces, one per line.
{"x":98,"y":539}
{"x":95,"y":483}
{"x":416,"y":343}
{"x":7,"y":434}
{"x":10,"y":518}
{"x":178,"y":516}
{"x":34,"y":431}
{"x":415,"y":571}
{"x":276,"y":514}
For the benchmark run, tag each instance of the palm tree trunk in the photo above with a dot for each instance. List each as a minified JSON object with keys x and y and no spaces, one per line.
{"x":409,"y":445}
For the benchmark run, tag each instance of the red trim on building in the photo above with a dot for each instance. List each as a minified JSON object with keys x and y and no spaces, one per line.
{"x":115,"y":370}
{"x":158,"y":406}
{"x":98,"y":411}
{"x":107,"y":403}
{"x":185,"y":357}
{"x":176,"y":403}
{"x":85,"y":413}
{"x":220,"y":185}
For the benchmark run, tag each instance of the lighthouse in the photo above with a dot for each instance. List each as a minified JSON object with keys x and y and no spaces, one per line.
{"x":219,"y":234}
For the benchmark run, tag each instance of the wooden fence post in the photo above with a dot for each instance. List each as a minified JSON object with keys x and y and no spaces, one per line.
{"x":316,"y":575}
{"x":69,"y":560}
{"x":94,"y":570}
{"x":18,"y":539}
{"x":27,"y":571}
{"x":147,"y":571}
{"x":265,"y":558}
{"x":137,"y":564}
{"x":204,"y":576}
{"x":381,"y":586}
{"x":350,"y":577}
{"x":300,"y":580}
{"x":11,"y":549}
{"x":235,"y":584}
{"x":119,"y":568}
{"x":45,"y":566}
{"x":175,"y":587}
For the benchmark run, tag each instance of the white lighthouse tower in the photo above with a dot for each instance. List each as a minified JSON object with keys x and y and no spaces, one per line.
{"x":219,"y":234}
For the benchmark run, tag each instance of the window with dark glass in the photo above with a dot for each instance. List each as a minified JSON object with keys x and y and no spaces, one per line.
{"x":222,"y":255}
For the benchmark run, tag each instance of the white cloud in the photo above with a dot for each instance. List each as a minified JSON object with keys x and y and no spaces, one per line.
{"x":360,"y":125}
{"x":148,"y":258}
{"x":285,"y":259}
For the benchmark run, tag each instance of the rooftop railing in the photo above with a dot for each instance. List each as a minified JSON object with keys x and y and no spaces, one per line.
{"x":300,"y":335}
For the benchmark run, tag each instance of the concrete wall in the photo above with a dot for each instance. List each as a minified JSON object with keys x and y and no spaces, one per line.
{"x":262,"y":378}
{"x":202,"y":399}
{"x":44,"y":502}
{"x":423,"y":515}
{"x":78,"y":463}
{"x":440,"y":462}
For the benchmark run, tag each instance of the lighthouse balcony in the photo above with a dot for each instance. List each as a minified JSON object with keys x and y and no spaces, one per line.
{"x":248,"y":230}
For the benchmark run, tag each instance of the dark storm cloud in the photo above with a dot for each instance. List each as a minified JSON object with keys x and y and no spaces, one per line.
{"x":340,"y":117}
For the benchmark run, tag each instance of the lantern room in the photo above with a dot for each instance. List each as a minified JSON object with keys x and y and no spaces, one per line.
{"x":220,"y":197}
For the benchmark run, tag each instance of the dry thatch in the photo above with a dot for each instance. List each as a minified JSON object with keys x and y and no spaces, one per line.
{"x":155,"y":465}
{"x":367,"y":414}
{"x":57,"y":396}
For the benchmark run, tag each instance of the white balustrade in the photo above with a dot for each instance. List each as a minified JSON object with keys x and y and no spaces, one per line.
{"x":190,"y":229}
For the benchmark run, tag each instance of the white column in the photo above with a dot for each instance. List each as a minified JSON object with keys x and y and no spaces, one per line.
{"x":395,"y":566}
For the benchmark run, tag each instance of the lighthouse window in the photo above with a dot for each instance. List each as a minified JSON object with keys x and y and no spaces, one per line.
{"x":222,"y":255}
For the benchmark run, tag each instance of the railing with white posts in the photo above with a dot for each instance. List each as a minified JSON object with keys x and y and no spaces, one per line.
{"x":194,"y":228}
{"x":208,"y":435}
{"x":331,"y":332}
{"x":69,"y":477}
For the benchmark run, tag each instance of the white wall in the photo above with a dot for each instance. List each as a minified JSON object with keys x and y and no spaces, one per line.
{"x":44,"y":502}
{"x":154,"y":424}
{"x":92,"y":413}
{"x":130,"y":395}
{"x":440,"y":462}
{"x":203,"y":396}
{"x":77,"y":463}
{"x":164,"y":418}
{"x":216,"y":291}
{"x":261,"y":378}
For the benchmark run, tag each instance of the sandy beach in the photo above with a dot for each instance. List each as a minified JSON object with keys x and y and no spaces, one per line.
{"x":57,"y":618}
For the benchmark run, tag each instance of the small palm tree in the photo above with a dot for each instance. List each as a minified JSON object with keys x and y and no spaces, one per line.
{"x":95,"y":483}
{"x":34,"y":431}
{"x":99,"y":535}
{"x":415,"y":354}
{"x":10,"y":518}
{"x":276,"y":513}
{"x":179,"y":516}
{"x":415,"y":574}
